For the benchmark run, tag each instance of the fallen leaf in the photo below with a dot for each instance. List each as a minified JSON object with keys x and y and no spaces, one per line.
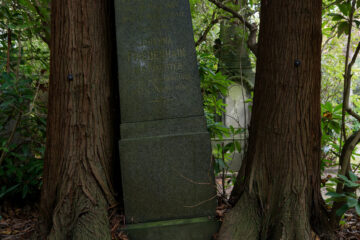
{"x":6,"y":231}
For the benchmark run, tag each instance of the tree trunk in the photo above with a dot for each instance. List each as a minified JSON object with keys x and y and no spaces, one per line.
{"x":81,"y":138}
{"x":278,"y":186}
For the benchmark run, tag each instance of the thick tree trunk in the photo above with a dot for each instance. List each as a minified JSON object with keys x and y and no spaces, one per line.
{"x":278,"y":186}
{"x":80,"y":133}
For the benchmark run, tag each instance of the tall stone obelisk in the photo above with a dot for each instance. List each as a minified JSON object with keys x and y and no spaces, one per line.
{"x":167,"y":177}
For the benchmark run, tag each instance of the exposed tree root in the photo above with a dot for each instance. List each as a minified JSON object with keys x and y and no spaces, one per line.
{"x":243,"y":221}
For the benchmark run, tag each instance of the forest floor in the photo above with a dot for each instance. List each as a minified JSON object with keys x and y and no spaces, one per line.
{"x":19,"y":223}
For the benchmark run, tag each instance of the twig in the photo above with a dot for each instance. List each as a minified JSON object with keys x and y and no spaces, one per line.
{"x":331,"y":4}
{"x":200,"y":203}
{"x":190,"y":180}
{"x":326,"y":42}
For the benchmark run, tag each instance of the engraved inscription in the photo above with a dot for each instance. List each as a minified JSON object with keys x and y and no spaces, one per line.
{"x":155,"y":53}
{"x":159,"y":64}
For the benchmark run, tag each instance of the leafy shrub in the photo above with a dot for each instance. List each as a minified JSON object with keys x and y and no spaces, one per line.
{"x":22,"y":137}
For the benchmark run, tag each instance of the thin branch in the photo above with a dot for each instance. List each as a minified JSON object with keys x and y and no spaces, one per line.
{"x":253,"y":29}
{"x":352,"y":113}
{"x":200,"y":203}
{"x":346,"y":153}
{"x":353,"y":60}
{"x":190,"y":180}
{"x":45,"y":25}
{"x":331,"y":4}
{"x":203,"y":36}
{"x":249,"y":25}
{"x":347,"y":76}
{"x":38,"y":11}
{"x":326,"y":42}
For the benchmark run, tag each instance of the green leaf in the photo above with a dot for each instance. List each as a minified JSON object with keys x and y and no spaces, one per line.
{"x":342,"y":210}
{"x":230,"y":147}
{"x":238,"y":146}
{"x":345,"y":8}
{"x":337,"y":107}
{"x":343,"y":27}
{"x":343,"y":177}
{"x":347,"y":182}
{"x":232,"y":129}
{"x":353,"y":177}
{"x":4,"y":191}
{"x":357,"y":209}
{"x":336,"y":17}
{"x":221,"y":164}
{"x":336,"y":195}
{"x":351,"y":202}
{"x":327,"y":106}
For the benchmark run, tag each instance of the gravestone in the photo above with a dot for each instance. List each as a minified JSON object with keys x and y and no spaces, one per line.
{"x":167,"y":177}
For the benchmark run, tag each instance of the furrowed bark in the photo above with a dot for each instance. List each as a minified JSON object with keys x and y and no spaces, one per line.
{"x":77,"y":187}
{"x":281,"y":172}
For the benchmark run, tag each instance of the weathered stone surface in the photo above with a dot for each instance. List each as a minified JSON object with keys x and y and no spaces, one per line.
{"x":165,"y":147}
{"x":167,"y":177}
{"x":163,"y":127}
{"x":158,"y":73}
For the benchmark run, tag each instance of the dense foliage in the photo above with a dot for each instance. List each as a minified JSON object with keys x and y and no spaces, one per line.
{"x":24,"y":72}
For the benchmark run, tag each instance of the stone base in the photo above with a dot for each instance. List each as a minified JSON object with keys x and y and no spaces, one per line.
{"x":167,"y":177}
{"x":180,"y":229}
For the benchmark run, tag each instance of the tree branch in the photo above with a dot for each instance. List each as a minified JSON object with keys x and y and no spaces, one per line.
{"x":203,"y":36}
{"x":44,"y":21}
{"x":344,"y":161}
{"x":347,"y":76}
{"x":251,"y":42}
{"x":353,"y":60}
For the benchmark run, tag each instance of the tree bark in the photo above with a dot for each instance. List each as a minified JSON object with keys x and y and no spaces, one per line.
{"x":278,"y":187}
{"x":81,"y":133}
